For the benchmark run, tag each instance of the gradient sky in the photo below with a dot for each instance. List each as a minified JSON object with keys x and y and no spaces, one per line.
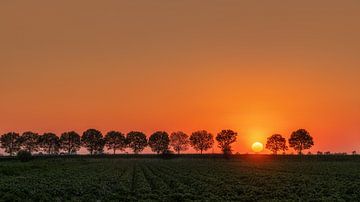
{"x":257,"y":67}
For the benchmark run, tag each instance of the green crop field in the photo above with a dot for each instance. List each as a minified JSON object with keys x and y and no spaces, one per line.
{"x":245,"y":178}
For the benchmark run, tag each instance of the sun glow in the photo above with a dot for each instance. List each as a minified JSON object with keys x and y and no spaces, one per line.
{"x":257,"y":147}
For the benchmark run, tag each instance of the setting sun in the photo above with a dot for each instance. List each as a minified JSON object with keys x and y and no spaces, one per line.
{"x":257,"y":147}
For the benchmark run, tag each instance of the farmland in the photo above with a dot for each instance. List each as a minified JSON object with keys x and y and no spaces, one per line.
{"x":245,"y":178}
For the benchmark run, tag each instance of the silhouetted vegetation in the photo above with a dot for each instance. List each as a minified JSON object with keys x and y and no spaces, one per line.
{"x":93,"y":141}
{"x":29,"y":141}
{"x":136,"y":141}
{"x":49,"y":143}
{"x":24,"y":155}
{"x":115,"y":140}
{"x":70,"y":142}
{"x":276,"y":143}
{"x":159,"y":142}
{"x":225,"y":138}
{"x":201,"y":140}
{"x":179,"y":141}
{"x":301,"y":140}
{"x":10,"y":142}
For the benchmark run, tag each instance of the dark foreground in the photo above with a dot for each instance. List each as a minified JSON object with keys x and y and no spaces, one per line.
{"x":245,"y":178}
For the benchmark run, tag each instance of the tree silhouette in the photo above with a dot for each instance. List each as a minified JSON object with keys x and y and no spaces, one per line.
{"x":29,"y":141}
{"x":201,"y":140}
{"x":225,"y":138}
{"x":49,"y":142}
{"x":276,"y":143}
{"x":159,"y":142}
{"x":93,"y":141}
{"x":301,"y":140}
{"x":179,"y":141}
{"x":70,"y":142}
{"x":136,"y":141}
{"x":115,"y":141}
{"x":10,"y":142}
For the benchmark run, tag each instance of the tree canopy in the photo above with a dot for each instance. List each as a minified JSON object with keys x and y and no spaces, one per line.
{"x":49,"y":142}
{"x":70,"y":142}
{"x":93,"y":141}
{"x":201,"y":140}
{"x":225,"y":138}
{"x":276,"y":143}
{"x":301,"y":140}
{"x":29,"y":141}
{"x":179,"y":141}
{"x":115,"y":140}
{"x":159,"y":142}
{"x":10,"y":142}
{"x":136,"y":141}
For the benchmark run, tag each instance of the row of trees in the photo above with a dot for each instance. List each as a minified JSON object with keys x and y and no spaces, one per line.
{"x":159,"y":142}
{"x":299,"y":141}
{"x":95,"y":142}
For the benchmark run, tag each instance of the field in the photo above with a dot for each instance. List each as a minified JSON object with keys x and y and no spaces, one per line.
{"x":244,"y":178}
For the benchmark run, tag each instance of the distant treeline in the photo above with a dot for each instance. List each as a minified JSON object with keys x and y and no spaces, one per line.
{"x":160,"y":142}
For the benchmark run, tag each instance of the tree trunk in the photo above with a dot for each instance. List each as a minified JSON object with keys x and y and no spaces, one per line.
{"x":114,"y":151}
{"x":69,"y":147}
{"x":200,"y":151}
{"x":178,"y":152}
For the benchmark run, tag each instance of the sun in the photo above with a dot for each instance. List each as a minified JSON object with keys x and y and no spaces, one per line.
{"x":257,"y":147}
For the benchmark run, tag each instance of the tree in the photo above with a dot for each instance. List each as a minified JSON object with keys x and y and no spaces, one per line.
{"x":70,"y":142}
{"x":159,"y":142}
{"x":276,"y":143}
{"x":201,"y":140}
{"x":301,"y":140}
{"x":49,"y":143}
{"x":93,"y":141}
{"x":225,"y":138}
{"x":136,"y":141}
{"x":115,"y":141}
{"x":179,"y":141}
{"x":10,"y":142}
{"x":30,"y":141}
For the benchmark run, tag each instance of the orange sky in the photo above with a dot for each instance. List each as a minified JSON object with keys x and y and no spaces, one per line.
{"x":258,"y":67}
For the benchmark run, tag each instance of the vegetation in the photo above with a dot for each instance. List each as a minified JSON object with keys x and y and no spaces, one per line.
{"x":301,"y":140}
{"x":244,"y":178}
{"x":276,"y":143}
{"x":10,"y":142}
{"x":49,"y":143}
{"x":24,"y":156}
{"x":201,"y":140}
{"x":29,"y":141}
{"x":159,"y":142}
{"x":225,"y":138}
{"x":179,"y":141}
{"x":136,"y":141}
{"x":93,"y":141}
{"x":115,"y":140}
{"x":70,"y":142}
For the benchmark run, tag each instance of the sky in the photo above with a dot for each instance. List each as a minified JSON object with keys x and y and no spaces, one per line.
{"x":254,"y":66}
